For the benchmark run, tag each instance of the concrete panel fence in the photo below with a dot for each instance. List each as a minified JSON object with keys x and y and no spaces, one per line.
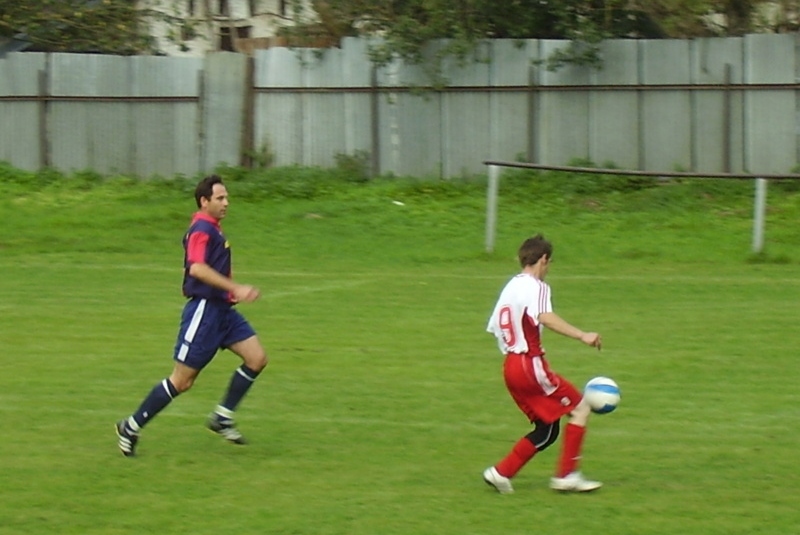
{"x":705,"y":105}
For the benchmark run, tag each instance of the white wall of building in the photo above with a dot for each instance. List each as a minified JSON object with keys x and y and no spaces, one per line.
{"x":192,"y":28}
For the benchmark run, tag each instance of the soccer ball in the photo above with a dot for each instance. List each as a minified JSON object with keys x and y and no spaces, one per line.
{"x":602,"y":395}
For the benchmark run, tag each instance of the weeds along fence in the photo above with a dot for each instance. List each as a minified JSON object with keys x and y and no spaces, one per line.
{"x":759,"y":204}
{"x":704,"y":105}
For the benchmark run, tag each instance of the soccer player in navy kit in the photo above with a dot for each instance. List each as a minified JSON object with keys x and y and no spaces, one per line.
{"x":208,"y":323}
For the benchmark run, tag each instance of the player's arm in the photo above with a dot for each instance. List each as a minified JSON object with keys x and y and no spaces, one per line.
{"x":555,"y":323}
{"x":199,"y":269}
{"x":212,"y":277}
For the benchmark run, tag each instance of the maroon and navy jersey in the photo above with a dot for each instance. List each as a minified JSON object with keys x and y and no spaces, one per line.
{"x":205,"y":243}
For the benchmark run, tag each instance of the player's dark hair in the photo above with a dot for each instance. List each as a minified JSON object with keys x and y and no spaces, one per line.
{"x":205,"y":188}
{"x":533,"y":249}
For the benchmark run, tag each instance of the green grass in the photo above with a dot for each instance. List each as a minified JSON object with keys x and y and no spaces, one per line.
{"x":384,"y":400}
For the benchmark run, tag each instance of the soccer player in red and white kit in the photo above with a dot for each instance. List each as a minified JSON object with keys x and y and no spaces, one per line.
{"x":522,"y":310}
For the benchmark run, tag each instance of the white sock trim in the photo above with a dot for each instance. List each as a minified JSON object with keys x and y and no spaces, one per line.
{"x":133,"y":425}
{"x":243,"y":374}
{"x":225,"y":413}
{"x":166,"y":389}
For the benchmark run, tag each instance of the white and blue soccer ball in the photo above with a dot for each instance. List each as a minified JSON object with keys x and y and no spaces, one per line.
{"x":602,"y":395}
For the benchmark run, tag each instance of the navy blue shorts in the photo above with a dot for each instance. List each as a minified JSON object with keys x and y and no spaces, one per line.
{"x":206,"y":327}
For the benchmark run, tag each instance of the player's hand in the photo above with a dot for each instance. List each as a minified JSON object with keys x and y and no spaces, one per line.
{"x":592,"y":339}
{"x":244,"y":293}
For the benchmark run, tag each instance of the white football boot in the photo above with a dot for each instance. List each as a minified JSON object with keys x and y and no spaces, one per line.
{"x":574,"y":482}
{"x":500,"y":483}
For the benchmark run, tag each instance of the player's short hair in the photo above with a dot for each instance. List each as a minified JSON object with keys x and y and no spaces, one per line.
{"x":205,"y":188}
{"x":533,"y":249}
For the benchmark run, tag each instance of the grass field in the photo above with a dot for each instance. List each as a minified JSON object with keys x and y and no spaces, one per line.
{"x":383,"y":401}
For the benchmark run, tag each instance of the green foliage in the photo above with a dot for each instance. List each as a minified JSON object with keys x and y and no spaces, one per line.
{"x":581,"y":184}
{"x":349,"y":178}
{"x":788,"y":186}
{"x":354,"y":167}
{"x":579,"y":53}
{"x":293,"y":182}
{"x":691,"y":205}
{"x":407,"y":27}
{"x":118,"y":27}
{"x":104,"y":26}
{"x":31,"y":181}
{"x":261,"y":157}
{"x":766,"y":258}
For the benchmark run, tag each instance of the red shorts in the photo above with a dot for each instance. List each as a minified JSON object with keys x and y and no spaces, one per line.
{"x":539,"y":392}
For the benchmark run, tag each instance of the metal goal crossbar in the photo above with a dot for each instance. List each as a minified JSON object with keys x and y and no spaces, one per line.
{"x":759,"y":205}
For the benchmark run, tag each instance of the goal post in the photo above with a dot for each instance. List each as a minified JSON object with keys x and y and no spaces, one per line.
{"x":492,"y":191}
{"x":759,"y":209}
{"x":759,"y":203}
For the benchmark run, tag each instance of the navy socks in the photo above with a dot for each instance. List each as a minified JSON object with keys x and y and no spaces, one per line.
{"x":158,"y":398}
{"x":241,"y":382}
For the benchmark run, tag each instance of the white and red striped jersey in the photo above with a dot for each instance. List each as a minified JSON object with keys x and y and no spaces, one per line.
{"x":515,"y":318}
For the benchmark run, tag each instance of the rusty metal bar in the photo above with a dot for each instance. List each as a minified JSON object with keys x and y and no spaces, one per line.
{"x":538,"y":88}
{"x":374,"y":127}
{"x":44,"y":139}
{"x":66,"y":98}
{"x":726,"y":121}
{"x":628,"y":172}
{"x":408,"y":89}
{"x":248,"y":146}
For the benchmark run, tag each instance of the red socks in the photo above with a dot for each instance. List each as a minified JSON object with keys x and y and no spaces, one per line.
{"x":571,"y":450}
{"x":522,"y":452}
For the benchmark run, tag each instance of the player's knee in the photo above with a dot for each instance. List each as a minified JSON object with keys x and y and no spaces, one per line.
{"x":544,"y":435}
{"x":257,"y":361}
{"x":580,"y":414}
{"x":181,"y":384}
